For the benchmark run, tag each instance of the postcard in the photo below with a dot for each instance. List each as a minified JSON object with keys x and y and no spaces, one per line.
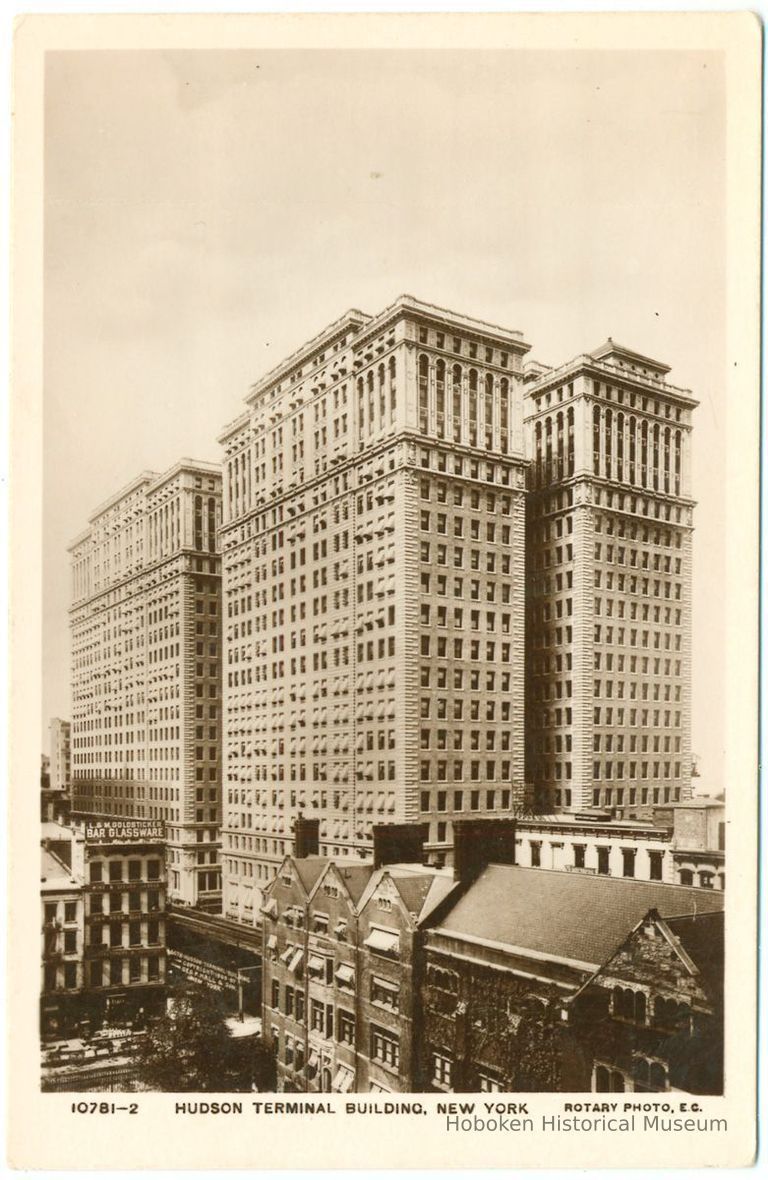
{"x":384,"y":565}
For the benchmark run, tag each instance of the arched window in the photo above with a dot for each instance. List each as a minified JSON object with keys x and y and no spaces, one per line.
{"x":560,"y":446}
{"x":644,"y":455}
{"x":360,"y":407}
{"x":504,"y":415}
{"x":678,"y":460}
{"x":539,"y":455}
{"x":571,"y":443}
{"x":371,"y":404}
{"x":608,"y":1081}
{"x":440,"y":398}
{"x":489,"y":411}
{"x":473,"y":407}
{"x":423,"y":394}
{"x":596,"y":441}
{"x":656,"y":457}
{"x":608,"y":443}
{"x":392,"y":389}
{"x":382,"y":395}
{"x":632,"y":428}
{"x":650,"y":1076}
{"x":548,"y":456}
{"x":620,"y":446}
{"x":456,"y":402}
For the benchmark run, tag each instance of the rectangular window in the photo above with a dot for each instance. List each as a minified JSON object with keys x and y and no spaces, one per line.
{"x":441,"y":1071}
{"x":385,"y":1047}
{"x":346,"y":1027}
{"x":384,"y":992}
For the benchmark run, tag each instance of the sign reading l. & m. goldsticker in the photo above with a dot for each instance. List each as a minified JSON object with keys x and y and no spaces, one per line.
{"x":124,"y":831}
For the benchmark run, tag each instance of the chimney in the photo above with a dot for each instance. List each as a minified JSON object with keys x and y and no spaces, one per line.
{"x":306,"y":836}
{"x":399,"y":843}
{"x":480,"y":842}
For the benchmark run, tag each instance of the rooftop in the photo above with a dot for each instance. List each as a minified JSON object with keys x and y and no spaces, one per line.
{"x":611,"y":348}
{"x":53,"y":872}
{"x":566,"y":916}
{"x":703,"y":939}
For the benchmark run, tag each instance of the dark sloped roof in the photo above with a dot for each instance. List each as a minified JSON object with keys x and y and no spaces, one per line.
{"x":702,"y":937}
{"x":413,"y":890}
{"x":566,"y":915}
{"x":355,"y":877}
{"x":309,"y":869}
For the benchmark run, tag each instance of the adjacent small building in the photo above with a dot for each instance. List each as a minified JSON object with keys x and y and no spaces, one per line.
{"x":341,"y":966}
{"x":699,"y":843}
{"x":125,"y":898}
{"x":103,"y":896}
{"x":652,"y":1016}
{"x":62,"y":936}
{"x":508,"y":960}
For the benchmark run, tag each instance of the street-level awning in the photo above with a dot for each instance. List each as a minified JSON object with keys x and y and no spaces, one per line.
{"x":386,"y":942}
{"x":343,"y":1080}
{"x":345,"y":975}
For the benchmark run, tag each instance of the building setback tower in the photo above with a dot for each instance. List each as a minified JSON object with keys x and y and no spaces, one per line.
{"x":373,"y":562}
{"x":60,"y":766}
{"x":146,"y":668}
{"x":609,"y":578}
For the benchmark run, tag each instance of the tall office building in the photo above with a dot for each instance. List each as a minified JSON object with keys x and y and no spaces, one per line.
{"x":373,"y":548}
{"x":146,"y":667}
{"x":609,"y":575}
{"x":60,"y":768}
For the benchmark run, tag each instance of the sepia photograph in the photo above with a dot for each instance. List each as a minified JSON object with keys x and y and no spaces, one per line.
{"x":385,"y":723}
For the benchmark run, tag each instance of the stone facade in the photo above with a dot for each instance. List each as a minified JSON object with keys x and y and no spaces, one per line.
{"x":373,"y":550}
{"x":146,"y":668}
{"x":651,"y":1018}
{"x":609,"y":590}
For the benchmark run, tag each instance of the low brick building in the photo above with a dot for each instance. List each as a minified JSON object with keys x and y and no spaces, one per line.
{"x":505,"y":959}
{"x":340,"y":972}
{"x":652,"y":1016}
{"x":103,"y":892}
{"x":62,"y":935}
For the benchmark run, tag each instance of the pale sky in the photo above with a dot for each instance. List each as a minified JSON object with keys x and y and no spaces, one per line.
{"x":208,"y":211}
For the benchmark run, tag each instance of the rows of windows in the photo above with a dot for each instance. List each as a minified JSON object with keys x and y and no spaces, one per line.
{"x":465,"y":405}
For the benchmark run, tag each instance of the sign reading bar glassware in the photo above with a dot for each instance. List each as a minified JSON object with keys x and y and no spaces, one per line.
{"x":124,"y":831}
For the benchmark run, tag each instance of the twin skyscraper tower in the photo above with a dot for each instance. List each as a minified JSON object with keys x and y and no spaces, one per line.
{"x":431,"y":580}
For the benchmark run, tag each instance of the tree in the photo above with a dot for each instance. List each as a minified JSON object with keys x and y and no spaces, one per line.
{"x":190,"y":1049}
